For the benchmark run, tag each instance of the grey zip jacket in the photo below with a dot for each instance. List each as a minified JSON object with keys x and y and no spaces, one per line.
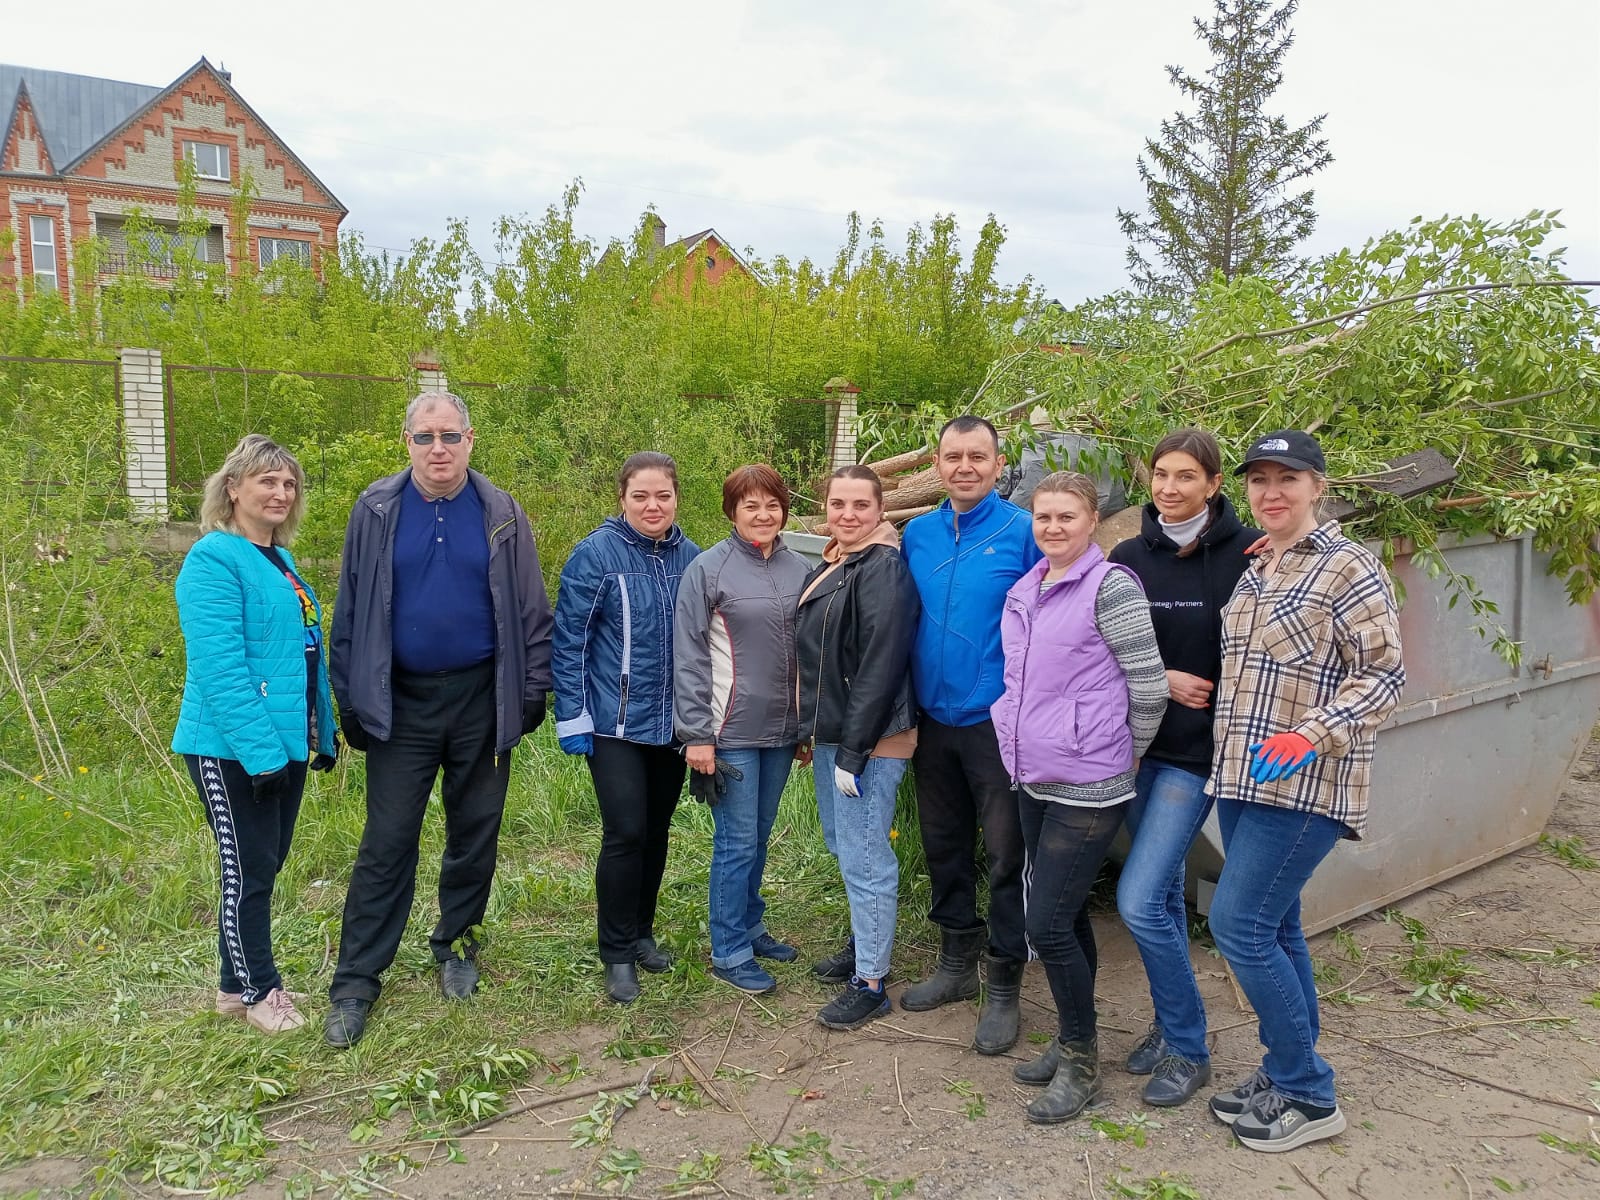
{"x":361,"y":650}
{"x":733,"y":649}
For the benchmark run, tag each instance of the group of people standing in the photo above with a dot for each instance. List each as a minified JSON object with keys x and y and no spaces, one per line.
{"x":1043,"y":694}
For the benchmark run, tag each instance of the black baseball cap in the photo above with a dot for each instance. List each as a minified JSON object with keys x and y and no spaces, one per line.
{"x":1291,"y":447}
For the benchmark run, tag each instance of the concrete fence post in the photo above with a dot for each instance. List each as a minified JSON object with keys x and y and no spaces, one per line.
{"x":144,"y":433}
{"x":430,"y":373}
{"x":844,"y":395}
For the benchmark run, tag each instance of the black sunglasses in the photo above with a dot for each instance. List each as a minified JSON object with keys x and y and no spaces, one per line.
{"x":426,"y":439}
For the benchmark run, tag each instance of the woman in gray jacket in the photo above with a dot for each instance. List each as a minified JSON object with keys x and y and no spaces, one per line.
{"x":734,"y":706}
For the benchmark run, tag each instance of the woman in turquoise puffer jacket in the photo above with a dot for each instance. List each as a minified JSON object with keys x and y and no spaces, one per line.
{"x":256,"y":706}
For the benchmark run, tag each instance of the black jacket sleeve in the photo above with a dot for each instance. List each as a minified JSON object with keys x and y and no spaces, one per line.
{"x":538,"y":619}
{"x":342,"y":634}
{"x":886,"y":611}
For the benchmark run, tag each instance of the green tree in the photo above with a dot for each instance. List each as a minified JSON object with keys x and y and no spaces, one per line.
{"x":1219,"y":180}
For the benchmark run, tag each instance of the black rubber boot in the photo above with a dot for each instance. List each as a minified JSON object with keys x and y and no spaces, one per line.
{"x":999,"y":1022}
{"x":1042,"y":1069}
{"x":1076,"y":1084}
{"x":956,"y":977}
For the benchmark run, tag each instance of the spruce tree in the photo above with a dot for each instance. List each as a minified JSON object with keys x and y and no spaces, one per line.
{"x":1219,"y":179}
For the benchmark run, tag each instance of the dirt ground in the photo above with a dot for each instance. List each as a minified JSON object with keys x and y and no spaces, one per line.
{"x":1442,"y":1101}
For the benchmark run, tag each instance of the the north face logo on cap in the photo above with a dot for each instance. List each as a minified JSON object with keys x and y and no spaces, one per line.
{"x":1272,"y":445}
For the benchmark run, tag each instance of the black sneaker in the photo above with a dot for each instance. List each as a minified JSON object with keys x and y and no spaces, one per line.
{"x":1228,"y":1107}
{"x":1276,"y":1124}
{"x":839,"y":967}
{"x":346,"y":1022}
{"x":855,"y":1006}
{"x":1152,"y":1048}
{"x":1175,"y":1081}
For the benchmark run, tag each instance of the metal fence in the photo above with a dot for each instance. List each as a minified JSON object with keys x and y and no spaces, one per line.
{"x":34,"y":388}
{"x":181,"y":419}
{"x":209,"y":408}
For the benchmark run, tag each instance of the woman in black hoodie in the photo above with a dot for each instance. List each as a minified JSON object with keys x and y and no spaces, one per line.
{"x":1189,"y":555}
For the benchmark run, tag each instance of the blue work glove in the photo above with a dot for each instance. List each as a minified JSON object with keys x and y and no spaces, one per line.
{"x":577,"y":743}
{"x":845,"y":783}
{"x":1280,"y":756}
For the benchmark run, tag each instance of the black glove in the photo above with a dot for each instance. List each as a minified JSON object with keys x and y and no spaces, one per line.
{"x":708,"y":789}
{"x":326,"y":762}
{"x":532,"y":714}
{"x":269,"y":784}
{"x":354,"y":736}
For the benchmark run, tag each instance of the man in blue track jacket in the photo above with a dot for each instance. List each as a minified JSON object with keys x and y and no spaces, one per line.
{"x":964,"y":556}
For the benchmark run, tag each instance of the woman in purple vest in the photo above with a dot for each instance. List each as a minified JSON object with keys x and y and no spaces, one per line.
{"x":1085,"y":693}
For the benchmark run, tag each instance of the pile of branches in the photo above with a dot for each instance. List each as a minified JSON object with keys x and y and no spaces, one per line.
{"x":1460,"y":335}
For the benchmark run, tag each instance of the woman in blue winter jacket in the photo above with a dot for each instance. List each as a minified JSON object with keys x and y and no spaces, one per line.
{"x":255,"y":706}
{"x":612,"y":661}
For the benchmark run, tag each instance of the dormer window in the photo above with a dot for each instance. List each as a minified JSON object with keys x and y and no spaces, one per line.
{"x":210,"y":161}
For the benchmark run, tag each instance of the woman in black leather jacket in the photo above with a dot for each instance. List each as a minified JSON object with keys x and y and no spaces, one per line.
{"x":858,"y":616}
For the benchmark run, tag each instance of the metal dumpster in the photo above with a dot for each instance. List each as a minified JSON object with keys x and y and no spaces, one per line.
{"x":1471,"y":764}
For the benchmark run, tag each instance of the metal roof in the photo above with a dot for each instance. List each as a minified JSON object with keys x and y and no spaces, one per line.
{"x":74,"y":111}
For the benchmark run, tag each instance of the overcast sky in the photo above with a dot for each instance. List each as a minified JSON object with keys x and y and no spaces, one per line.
{"x":772,"y":122}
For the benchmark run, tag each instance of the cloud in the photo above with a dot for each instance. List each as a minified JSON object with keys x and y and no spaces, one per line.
{"x":772,"y":122}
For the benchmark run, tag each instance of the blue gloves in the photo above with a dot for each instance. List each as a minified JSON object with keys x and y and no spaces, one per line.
{"x":577,"y":743}
{"x":1280,"y":756}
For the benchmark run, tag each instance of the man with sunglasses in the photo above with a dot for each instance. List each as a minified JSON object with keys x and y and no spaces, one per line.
{"x":440,"y":661}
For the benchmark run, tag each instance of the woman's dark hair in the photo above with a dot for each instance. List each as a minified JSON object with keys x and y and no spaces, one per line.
{"x":1198,"y":444}
{"x":752,"y":480}
{"x":854,"y":471}
{"x":646,"y":460}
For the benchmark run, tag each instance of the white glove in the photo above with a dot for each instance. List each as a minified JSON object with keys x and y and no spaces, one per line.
{"x":845,"y":783}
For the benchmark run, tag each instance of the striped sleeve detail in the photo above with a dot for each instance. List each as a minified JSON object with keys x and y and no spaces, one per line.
{"x":1122,"y":615}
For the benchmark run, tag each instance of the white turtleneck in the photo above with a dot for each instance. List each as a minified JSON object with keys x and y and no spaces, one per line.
{"x":1184,"y":532}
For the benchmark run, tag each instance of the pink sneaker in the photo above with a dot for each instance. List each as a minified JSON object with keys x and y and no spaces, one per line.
{"x":274,"y":1013}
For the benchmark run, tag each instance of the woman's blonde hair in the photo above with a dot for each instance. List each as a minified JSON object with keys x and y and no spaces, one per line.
{"x":254,"y":454}
{"x":1070,"y":483}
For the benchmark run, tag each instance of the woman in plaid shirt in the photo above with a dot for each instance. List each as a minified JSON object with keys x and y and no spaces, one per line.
{"x":1310,"y":669}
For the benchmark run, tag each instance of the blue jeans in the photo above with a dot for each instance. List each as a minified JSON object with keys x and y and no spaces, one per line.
{"x":856,"y":830}
{"x":1168,"y":808}
{"x":1270,"y":853}
{"x":743,"y":823}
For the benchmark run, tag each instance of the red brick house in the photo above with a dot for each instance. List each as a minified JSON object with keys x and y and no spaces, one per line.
{"x":705,"y":255}
{"x":79,"y":152}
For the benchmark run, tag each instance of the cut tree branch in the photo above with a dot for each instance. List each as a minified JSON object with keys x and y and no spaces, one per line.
{"x":1377,"y":304}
